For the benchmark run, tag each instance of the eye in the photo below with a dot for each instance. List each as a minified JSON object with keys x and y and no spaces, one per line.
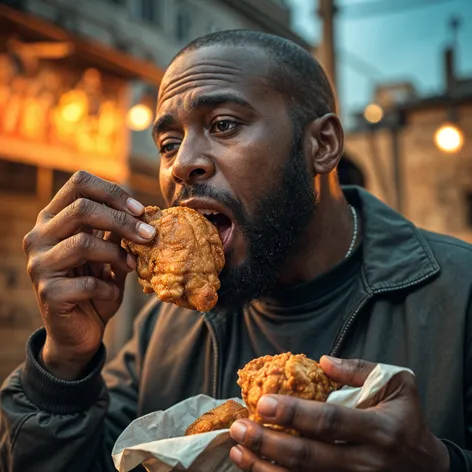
{"x":223,"y":126}
{"x":168,"y":148}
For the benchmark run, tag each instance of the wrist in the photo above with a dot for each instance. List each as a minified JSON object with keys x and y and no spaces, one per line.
{"x":62,"y":364}
{"x":442,"y":456}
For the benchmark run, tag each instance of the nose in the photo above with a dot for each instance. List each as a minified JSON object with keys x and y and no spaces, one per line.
{"x":191,"y":164}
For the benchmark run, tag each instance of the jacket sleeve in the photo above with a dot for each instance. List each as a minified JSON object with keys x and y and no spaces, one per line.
{"x":47,"y":424}
{"x":461,"y":459}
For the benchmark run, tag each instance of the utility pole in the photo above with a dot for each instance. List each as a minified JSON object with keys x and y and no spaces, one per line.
{"x":327,"y":49}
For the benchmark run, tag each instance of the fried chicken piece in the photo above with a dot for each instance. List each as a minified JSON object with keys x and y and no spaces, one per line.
{"x":181,"y":265}
{"x":284,"y":374}
{"x":221,"y":417}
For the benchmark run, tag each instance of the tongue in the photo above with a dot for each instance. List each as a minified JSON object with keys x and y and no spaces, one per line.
{"x":222,"y":224}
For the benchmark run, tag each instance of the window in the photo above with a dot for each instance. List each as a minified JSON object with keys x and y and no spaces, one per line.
{"x":146,"y":10}
{"x":183,"y":24}
{"x":468,"y":209}
{"x":17,"y":178}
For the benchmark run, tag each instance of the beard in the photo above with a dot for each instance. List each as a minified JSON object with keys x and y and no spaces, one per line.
{"x":280,"y":217}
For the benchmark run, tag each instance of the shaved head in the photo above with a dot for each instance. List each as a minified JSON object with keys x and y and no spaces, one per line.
{"x":293,"y":72}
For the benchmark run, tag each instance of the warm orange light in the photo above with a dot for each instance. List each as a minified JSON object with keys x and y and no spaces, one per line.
{"x":139,"y":117}
{"x":449,"y":138}
{"x":72,"y":112}
{"x":373,"y":113}
{"x":73,"y":106}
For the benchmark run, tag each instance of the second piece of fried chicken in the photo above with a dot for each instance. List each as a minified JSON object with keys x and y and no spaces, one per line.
{"x":284,"y":374}
{"x":221,"y":417}
{"x":181,"y":265}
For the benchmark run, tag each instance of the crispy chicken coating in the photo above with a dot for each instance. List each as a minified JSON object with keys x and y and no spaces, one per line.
{"x":284,"y":374}
{"x":181,"y":265}
{"x":221,"y":417}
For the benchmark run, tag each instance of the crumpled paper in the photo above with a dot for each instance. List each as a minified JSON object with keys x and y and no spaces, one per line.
{"x":157,"y":440}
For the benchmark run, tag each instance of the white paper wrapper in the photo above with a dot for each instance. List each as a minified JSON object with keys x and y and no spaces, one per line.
{"x":157,"y":440}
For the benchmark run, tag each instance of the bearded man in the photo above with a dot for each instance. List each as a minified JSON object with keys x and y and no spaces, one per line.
{"x":246,"y":127}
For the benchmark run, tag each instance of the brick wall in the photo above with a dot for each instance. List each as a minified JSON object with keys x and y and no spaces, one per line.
{"x":435,"y":184}
{"x":18,"y":311}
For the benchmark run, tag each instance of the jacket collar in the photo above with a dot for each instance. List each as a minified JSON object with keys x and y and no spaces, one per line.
{"x":395,"y":253}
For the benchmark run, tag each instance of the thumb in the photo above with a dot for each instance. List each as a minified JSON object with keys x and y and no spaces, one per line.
{"x":352,"y":372}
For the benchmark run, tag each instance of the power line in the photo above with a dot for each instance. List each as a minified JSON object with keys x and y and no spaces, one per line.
{"x":384,"y":7}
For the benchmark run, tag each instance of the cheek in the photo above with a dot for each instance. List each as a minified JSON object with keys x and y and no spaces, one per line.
{"x":256,"y":164}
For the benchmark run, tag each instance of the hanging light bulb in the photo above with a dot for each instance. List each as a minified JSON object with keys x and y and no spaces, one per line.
{"x":373,"y":113}
{"x":140,"y":116}
{"x":449,"y":138}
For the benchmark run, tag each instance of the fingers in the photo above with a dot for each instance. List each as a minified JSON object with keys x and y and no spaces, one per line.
{"x":77,"y":250}
{"x":353,"y":372}
{"x":246,"y":460}
{"x":323,"y":421}
{"x":61,"y":295}
{"x":85,"y":185}
{"x":88,"y":213}
{"x":286,"y":451}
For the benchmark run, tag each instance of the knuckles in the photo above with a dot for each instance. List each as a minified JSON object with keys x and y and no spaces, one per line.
{"x":89,"y":284}
{"x":45,"y":290}
{"x":34,"y":267}
{"x":81,"y":207}
{"x":121,"y":220}
{"x":81,"y":178}
{"x":329,"y":421}
{"x":28,"y":241}
{"x":81,"y":241}
{"x":300,"y":456}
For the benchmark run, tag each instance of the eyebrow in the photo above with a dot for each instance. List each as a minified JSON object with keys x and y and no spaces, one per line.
{"x":215,"y":99}
{"x":202,"y":101}
{"x":161,"y":124}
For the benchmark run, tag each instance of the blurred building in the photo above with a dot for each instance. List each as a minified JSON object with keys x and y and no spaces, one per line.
{"x":416,"y":152}
{"x":76,"y":78}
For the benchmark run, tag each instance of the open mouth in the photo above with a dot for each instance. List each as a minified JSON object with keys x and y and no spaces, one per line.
{"x":222,"y":223}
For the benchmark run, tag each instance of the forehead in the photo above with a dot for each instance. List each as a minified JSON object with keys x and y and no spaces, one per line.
{"x":216,"y":68}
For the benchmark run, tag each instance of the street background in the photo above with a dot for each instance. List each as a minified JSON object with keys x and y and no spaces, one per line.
{"x":78,"y":85}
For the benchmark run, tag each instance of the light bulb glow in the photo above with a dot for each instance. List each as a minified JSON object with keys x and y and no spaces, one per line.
{"x":449,"y":138}
{"x":139,"y":117}
{"x":72,"y":112}
{"x":373,"y":113}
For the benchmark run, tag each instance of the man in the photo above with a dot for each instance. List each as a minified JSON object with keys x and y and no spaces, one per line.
{"x":246,"y":127}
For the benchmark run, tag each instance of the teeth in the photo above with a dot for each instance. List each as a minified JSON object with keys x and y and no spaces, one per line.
{"x":204,"y":211}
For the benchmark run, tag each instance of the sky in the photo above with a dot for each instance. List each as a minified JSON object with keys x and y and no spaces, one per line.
{"x":399,"y":46}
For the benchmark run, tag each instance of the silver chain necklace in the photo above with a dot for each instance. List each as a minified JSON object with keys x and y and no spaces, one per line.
{"x":354,"y":232}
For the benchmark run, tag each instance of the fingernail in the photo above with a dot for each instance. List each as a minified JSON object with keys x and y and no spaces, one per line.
{"x":334,"y":360}
{"x":146,"y":231}
{"x":238,"y":431}
{"x":236,"y":454}
{"x":134,"y":206}
{"x":267,"y":406}
{"x":131,"y":261}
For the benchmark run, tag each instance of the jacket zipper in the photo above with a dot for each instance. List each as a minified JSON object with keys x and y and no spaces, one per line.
{"x":348,"y":325}
{"x":353,"y":317}
{"x":339,"y":341}
{"x":216,"y":362}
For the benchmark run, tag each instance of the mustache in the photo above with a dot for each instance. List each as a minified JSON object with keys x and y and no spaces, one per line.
{"x":218,"y":195}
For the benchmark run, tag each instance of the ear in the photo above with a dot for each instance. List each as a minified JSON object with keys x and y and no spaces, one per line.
{"x":324,"y":143}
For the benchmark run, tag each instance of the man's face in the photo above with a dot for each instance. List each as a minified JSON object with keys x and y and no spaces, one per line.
{"x":229,"y":151}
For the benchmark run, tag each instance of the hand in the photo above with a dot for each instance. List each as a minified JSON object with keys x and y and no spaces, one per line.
{"x":78,"y":268}
{"x":389,"y":435}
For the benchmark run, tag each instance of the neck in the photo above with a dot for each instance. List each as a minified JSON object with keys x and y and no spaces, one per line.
{"x":326,"y":239}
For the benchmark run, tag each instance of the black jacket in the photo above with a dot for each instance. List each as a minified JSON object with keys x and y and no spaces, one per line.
{"x":413,"y":308}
